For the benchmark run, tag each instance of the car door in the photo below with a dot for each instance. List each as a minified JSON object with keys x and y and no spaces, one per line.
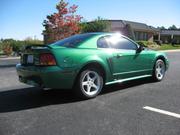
{"x":126,"y":61}
{"x":143,"y":62}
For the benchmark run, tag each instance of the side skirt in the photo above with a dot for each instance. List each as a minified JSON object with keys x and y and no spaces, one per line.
{"x":128,"y":79}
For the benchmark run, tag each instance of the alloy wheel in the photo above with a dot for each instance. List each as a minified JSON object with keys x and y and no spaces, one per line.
{"x":91,"y":83}
{"x":160,"y":69}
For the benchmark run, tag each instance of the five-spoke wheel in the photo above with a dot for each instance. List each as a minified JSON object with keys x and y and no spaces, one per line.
{"x":159,"y":70}
{"x":90,"y":83}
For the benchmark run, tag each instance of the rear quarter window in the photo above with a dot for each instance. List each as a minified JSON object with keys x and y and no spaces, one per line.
{"x":102,"y":43}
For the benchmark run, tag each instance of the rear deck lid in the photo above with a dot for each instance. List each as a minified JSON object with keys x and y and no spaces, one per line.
{"x":30,"y":54}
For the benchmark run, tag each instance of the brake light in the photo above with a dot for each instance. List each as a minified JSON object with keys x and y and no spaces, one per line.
{"x":47,"y":59}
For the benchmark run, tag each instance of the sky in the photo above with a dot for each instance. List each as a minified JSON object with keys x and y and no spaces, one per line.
{"x":20,"y":19}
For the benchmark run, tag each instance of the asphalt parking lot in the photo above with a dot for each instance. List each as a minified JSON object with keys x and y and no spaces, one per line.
{"x":138,"y":107}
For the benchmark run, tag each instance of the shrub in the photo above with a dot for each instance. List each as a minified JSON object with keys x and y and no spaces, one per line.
{"x":7,"y":49}
{"x":149,"y":44}
{"x":98,"y":25}
{"x":10,"y":45}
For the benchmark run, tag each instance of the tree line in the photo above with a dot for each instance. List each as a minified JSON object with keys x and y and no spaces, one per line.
{"x":8,"y":46}
{"x":173,"y":27}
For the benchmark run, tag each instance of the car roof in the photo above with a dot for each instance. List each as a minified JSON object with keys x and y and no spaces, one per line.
{"x":100,"y":33}
{"x":104,"y":34}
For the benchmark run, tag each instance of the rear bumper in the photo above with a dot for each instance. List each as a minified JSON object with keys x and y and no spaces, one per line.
{"x":48,"y":77}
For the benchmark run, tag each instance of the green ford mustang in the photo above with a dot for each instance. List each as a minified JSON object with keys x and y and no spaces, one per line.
{"x":87,"y":62}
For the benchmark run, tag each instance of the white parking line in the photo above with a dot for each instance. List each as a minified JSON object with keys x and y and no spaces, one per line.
{"x":162,"y":111}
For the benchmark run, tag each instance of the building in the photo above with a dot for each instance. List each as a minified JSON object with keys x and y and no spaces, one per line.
{"x":170,"y":36}
{"x":134,"y":30}
{"x":141,"y":31}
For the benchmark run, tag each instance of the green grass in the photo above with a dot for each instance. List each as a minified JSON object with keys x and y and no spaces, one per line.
{"x":155,"y":46}
{"x":168,"y":47}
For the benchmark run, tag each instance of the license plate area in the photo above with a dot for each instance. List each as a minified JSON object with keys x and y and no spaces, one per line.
{"x":30,"y":59}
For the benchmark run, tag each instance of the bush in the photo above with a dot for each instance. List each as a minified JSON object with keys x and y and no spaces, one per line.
{"x":98,"y":25}
{"x":10,"y":45}
{"x":143,"y":43}
{"x":1,"y":46}
{"x":159,"y":42}
{"x":7,"y":50}
{"x":149,"y":44}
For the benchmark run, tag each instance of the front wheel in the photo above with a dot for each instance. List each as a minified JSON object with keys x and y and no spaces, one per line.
{"x":89,"y":84}
{"x":159,"y":70}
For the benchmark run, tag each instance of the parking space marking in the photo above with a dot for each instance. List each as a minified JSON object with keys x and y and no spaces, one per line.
{"x":162,"y":111}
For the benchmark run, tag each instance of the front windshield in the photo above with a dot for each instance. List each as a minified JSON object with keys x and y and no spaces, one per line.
{"x":73,"y":41}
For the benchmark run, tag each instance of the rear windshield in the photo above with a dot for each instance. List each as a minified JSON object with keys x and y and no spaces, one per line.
{"x":73,"y":41}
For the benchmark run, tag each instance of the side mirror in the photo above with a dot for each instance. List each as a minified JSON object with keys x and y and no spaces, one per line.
{"x":140,"y":48}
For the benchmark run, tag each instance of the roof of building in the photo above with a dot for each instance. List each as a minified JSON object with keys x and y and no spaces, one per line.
{"x":170,"y":32}
{"x":137,"y":25}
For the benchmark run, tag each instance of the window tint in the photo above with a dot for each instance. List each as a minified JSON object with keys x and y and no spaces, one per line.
{"x":73,"y":41}
{"x":121,"y":43}
{"x":101,"y":43}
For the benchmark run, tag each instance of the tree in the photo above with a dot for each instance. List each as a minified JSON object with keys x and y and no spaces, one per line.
{"x":161,"y":28}
{"x":98,"y":25}
{"x":1,"y":44}
{"x":173,"y":27}
{"x":62,"y":24}
{"x":7,"y":46}
{"x":28,"y":39}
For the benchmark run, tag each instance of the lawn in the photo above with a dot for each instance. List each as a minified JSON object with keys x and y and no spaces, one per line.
{"x":168,"y":47}
{"x":155,"y":46}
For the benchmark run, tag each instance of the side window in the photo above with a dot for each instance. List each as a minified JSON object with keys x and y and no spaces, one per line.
{"x":123,"y":43}
{"x":101,"y":43}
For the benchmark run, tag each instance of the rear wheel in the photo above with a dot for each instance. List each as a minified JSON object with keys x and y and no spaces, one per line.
{"x":159,"y":70}
{"x":89,"y":84}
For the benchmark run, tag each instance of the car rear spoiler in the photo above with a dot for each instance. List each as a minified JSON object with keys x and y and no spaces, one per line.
{"x":32,"y":47}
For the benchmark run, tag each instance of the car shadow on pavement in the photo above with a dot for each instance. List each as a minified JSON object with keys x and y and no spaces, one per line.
{"x":27,"y":98}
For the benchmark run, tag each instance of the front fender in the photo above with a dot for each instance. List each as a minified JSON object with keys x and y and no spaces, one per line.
{"x":164,"y":57}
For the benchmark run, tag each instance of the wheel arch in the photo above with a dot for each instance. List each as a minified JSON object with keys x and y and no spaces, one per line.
{"x":162,"y":58}
{"x":95,"y":64}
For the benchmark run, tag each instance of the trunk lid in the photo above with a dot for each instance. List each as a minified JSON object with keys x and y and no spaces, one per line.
{"x":31,"y":54}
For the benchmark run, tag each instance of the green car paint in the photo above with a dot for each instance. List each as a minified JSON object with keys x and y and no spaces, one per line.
{"x":118,"y":65}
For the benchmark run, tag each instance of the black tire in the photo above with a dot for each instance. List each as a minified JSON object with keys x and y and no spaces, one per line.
{"x":80,"y":89}
{"x":159,"y":76}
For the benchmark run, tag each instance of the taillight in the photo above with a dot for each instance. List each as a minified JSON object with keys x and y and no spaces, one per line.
{"x":47,"y":59}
